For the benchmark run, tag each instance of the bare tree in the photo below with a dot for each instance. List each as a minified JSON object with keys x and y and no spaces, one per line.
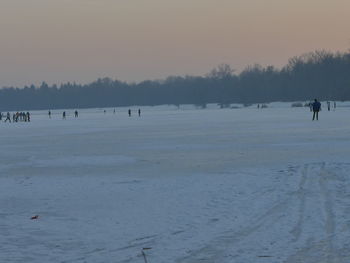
{"x":220,"y":72}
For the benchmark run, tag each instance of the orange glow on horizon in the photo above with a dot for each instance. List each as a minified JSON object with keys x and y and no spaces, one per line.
{"x":81,"y":40}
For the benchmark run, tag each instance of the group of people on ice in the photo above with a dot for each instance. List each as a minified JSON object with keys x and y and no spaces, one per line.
{"x":315,"y":107}
{"x":138,"y":112}
{"x":16,"y":117}
{"x":64,"y":114}
{"x":76,"y":114}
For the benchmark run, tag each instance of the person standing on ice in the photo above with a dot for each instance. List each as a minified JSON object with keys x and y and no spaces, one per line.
{"x":139,"y":112}
{"x":8,"y":117}
{"x":64,"y":115}
{"x":329,"y":105}
{"x":76,"y":114}
{"x":49,"y":114}
{"x":129,"y":112}
{"x":316,"y":107}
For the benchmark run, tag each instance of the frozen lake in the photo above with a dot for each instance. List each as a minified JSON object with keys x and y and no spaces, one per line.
{"x":194,"y":185}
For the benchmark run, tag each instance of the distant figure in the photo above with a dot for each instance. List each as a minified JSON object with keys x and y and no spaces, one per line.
{"x":76,"y":114}
{"x":64,"y":115}
{"x":114,"y":111}
{"x":104,"y":111}
{"x":329,"y":105}
{"x":129,"y":112}
{"x":49,"y":114}
{"x":258,"y":106}
{"x":0,"y":115}
{"x":316,"y":107}
{"x":8,"y":117}
{"x":334,"y":104}
{"x":28,"y":116}
{"x":139,"y":112}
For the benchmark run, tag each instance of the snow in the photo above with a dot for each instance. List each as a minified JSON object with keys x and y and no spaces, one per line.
{"x":194,"y":185}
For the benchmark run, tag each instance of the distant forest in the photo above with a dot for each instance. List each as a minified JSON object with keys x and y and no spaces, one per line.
{"x":320,"y":74}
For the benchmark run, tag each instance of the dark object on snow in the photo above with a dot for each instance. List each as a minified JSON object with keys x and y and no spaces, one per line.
{"x":144,"y":254}
{"x":34,"y":217}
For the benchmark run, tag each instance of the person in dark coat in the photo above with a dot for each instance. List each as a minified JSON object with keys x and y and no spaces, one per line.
{"x":316,"y":107}
{"x":8,"y":117}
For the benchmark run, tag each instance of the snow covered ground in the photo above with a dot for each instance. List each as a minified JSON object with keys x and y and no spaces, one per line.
{"x":211,"y":185}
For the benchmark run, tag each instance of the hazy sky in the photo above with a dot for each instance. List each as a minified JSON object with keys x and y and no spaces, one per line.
{"x":80,"y":40}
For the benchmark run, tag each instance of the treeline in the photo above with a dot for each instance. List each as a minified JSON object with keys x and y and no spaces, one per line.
{"x":320,"y":74}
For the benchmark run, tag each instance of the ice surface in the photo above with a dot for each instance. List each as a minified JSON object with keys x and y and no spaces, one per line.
{"x":194,"y":185}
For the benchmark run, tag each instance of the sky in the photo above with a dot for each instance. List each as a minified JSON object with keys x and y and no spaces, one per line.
{"x":57,"y":41}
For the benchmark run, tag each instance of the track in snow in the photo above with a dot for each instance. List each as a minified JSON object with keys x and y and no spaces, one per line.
{"x":311,"y":216}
